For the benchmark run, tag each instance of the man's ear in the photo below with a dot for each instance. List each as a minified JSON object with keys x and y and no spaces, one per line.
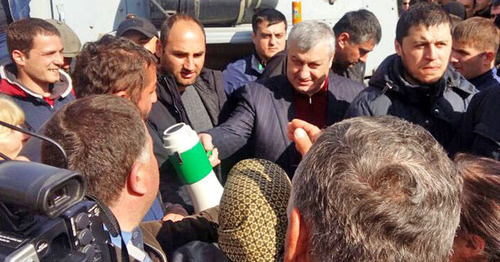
{"x":296,"y":242}
{"x":18,"y":57}
{"x":489,"y":57}
{"x":343,"y":39}
{"x":159,"y":49}
{"x":122,"y":94}
{"x":254,"y":36}
{"x":475,"y":245}
{"x":398,"y":47}
{"x":135,"y":180}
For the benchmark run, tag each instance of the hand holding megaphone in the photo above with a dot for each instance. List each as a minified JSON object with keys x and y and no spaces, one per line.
{"x":206,"y":141}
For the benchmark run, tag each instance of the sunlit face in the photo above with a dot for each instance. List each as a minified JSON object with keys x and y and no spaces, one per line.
{"x":350,"y":54}
{"x":11,"y":143}
{"x":468,"y":60}
{"x":425,"y":53}
{"x":469,"y":7}
{"x":405,"y":5}
{"x":269,"y":39}
{"x":148,"y":95}
{"x":183,"y":54}
{"x":41,"y":64}
{"x":307,"y":71}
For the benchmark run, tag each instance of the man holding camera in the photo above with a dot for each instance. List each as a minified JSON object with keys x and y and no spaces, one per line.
{"x":107,"y":141}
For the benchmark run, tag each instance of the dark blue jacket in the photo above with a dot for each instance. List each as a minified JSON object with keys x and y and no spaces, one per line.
{"x":486,"y":80}
{"x":438,"y":108}
{"x":240,"y":72}
{"x":480,"y":129}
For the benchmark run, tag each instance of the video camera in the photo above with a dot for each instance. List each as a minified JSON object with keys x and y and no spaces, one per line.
{"x":44,"y":216}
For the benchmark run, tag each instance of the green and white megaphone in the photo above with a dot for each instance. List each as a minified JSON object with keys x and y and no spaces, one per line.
{"x":190,"y":161}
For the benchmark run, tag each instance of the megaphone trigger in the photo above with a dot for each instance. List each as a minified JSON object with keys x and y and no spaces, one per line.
{"x":178,"y":157}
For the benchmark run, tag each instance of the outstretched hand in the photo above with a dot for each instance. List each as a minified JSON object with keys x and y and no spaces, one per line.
{"x":303,"y":134}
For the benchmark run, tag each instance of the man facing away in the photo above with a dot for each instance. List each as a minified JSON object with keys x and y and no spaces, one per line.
{"x":475,"y":45}
{"x":269,"y":38}
{"x":417,"y":84}
{"x":34,"y":79}
{"x":309,"y":91}
{"x":373,"y":189}
{"x":108,"y":143}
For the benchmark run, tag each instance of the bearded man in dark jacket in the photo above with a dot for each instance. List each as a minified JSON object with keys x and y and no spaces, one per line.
{"x":187,"y":92}
{"x":417,"y":84}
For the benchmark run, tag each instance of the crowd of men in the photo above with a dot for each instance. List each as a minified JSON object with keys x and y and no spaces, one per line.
{"x":372,"y":170}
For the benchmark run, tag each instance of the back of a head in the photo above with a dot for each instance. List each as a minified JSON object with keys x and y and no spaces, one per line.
{"x":170,"y":22}
{"x":21,"y":33}
{"x":110,"y":65}
{"x":421,"y":14}
{"x":252,"y":218}
{"x":361,"y":25}
{"x":307,"y":34}
{"x":385,"y":189}
{"x":478,"y":32}
{"x":480,"y":213}
{"x":103,"y":136}
{"x":269,"y":15}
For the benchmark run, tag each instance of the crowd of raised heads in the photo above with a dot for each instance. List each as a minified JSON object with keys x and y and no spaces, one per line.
{"x":313,"y":158}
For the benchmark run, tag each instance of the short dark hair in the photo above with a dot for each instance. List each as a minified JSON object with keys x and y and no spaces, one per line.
{"x":170,"y":22}
{"x":481,"y":201}
{"x":378,"y":189}
{"x":424,"y":14}
{"x":20,"y":34}
{"x":269,"y":15}
{"x":103,"y":135}
{"x":110,"y":65}
{"x":362,"y":25}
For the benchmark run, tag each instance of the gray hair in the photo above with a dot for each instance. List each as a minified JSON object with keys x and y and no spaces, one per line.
{"x":378,"y":189}
{"x":145,"y":154}
{"x":305,"y":35}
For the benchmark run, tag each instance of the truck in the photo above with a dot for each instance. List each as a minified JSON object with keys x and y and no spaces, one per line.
{"x":227,"y":22}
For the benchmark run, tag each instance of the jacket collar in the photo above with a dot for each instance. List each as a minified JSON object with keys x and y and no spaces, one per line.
{"x":390,"y":76}
{"x":490,"y":78}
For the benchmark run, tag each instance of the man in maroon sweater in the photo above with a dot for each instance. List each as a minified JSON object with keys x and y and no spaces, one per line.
{"x":309,"y":91}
